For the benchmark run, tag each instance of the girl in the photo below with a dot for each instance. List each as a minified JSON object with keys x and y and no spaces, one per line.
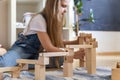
{"x":44,"y":31}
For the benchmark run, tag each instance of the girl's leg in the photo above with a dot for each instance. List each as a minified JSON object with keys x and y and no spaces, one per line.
{"x":9,"y":59}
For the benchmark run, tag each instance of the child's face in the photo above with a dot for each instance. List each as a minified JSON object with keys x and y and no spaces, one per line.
{"x":63,"y":6}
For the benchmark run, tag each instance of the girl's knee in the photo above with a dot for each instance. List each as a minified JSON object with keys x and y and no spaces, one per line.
{"x":2,"y":51}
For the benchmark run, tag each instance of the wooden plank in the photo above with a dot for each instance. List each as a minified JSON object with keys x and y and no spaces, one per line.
{"x":116,"y":74}
{"x":118,"y":65}
{"x":43,"y":60}
{"x":67,"y":69}
{"x":91,"y":60}
{"x":79,"y":46}
{"x":40,"y":72}
{"x":4,"y":69}
{"x":1,"y":76}
{"x":54,"y":54}
{"x":26,"y":61}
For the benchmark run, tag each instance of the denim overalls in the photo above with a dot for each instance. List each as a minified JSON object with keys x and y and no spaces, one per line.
{"x":26,"y":47}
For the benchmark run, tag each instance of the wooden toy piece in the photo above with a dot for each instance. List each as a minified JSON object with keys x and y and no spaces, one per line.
{"x":40,"y":68}
{"x":79,"y":46}
{"x":4,"y":69}
{"x":91,"y":60}
{"x":16,"y":73}
{"x":57,"y":62}
{"x":116,"y":74}
{"x":13,"y":70}
{"x":82,"y":62}
{"x":69,"y":58}
{"x":67,"y":69}
{"x":41,"y":62}
{"x":89,"y":36}
{"x":90,"y":57}
{"x":81,"y":40}
{"x":68,"y":64}
{"x":81,"y":34}
{"x":1,"y":76}
{"x":118,"y":65}
{"x":84,"y":39}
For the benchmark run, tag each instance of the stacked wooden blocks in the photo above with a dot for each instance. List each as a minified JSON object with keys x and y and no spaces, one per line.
{"x":87,"y":39}
{"x":116,"y":72}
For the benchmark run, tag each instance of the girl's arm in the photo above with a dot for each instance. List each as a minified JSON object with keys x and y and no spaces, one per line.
{"x":71,"y":42}
{"x":46,"y":42}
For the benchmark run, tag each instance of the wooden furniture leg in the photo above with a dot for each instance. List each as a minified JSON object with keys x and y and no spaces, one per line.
{"x":41,"y":62}
{"x":40,"y":65}
{"x":67,"y":69}
{"x":39,"y":72}
{"x":91,"y":60}
{"x":90,"y":57}
{"x":1,"y":76}
{"x":116,"y":74}
{"x":13,"y":70}
{"x":68,"y":64}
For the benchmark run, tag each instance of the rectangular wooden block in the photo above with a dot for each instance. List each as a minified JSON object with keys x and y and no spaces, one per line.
{"x":67,"y":69}
{"x":54,"y":54}
{"x":1,"y":76}
{"x":40,"y":72}
{"x":79,"y":46}
{"x":4,"y":69}
{"x":118,"y":65}
{"x":116,"y":74}
{"x":69,"y":59}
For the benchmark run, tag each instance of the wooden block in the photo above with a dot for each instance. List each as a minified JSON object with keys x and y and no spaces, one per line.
{"x":43,"y":60}
{"x":4,"y":69}
{"x":57,"y":62}
{"x":93,"y":39}
{"x":91,"y":60}
{"x":67,"y":69}
{"x":82,"y":34}
{"x":54,"y":54}
{"x":14,"y":70}
{"x":68,"y":59}
{"x":79,"y":46}
{"x":118,"y":65}
{"x":16,"y":74}
{"x":95,"y":44}
{"x":40,"y":72}
{"x":89,"y":35}
{"x":87,"y":41}
{"x":81,"y":40}
{"x":82,"y":63}
{"x":1,"y":76}
{"x":23,"y":66}
{"x":70,"y":51}
{"x":116,"y":74}
{"x":26,"y":61}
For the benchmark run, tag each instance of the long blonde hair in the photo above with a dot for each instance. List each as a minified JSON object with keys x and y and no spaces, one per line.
{"x":54,"y":22}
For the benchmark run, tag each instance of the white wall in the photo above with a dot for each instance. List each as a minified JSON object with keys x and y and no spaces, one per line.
{"x":3,"y":22}
{"x":108,"y":41}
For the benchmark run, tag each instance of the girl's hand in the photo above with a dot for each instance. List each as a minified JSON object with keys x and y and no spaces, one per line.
{"x":79,"y":54}
{"x":2,"y":50}
{"x":0,"y":45}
